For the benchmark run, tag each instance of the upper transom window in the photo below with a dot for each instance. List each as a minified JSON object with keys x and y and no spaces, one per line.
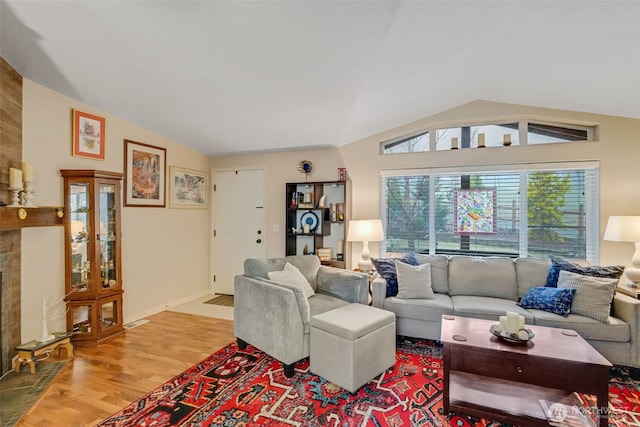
{"x":489,"y":135}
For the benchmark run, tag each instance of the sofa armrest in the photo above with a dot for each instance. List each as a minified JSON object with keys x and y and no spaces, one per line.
{"x":271,"y":316}
{"x":628,"y":309}
{"x":344,"y":284}
{"x":379,"y":286}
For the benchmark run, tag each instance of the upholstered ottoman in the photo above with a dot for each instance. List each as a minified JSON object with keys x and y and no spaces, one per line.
{"x":352,"y":344}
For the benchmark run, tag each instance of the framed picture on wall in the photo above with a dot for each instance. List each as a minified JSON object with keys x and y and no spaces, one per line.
{"x":88,"y":135}
{"x":475,"y":212}
{"x":188,"y":188}
{"x":144,"y":174}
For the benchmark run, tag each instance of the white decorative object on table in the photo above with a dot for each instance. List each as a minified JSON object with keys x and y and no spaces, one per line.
{"x":626,"y":229}
{"x":365,"y":231}
{"x":503,"y":323}
{"x":521,"y":336}
{"x":513,"y":322}
{"x":511,"y":327}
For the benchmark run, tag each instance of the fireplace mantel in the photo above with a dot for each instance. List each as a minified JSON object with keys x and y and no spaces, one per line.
{"x":41,"y":216}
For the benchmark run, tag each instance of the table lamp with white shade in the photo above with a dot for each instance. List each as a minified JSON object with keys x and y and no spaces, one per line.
{"x":365,"y":231}
{"x":626,"y":229}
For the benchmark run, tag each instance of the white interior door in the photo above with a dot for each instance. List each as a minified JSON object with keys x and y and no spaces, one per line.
{"x":238,"y":218}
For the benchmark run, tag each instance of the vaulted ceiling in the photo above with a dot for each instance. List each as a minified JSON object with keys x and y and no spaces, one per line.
{"x":248,"y":76}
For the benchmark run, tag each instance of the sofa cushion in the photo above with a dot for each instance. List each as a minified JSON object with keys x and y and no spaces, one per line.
{"x":559,"y":264}
{"x":482,"y":276}
{"x":386,"y":267}
{"x":439,"y":271}
{"x":292,"y":276}
{"x":593,"y":294}
{"x":530,"y":273}
{"x":553,"y":300}
{"x":616,"y":330}
{"x":486,"y":307}
{"x":414,"y":281}
{"x":421,"y":309}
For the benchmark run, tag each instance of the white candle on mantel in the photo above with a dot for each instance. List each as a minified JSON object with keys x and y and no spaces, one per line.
{"x":481,"y":140}
{"x":454,"y":143}
{"x":15,"y":179}
{"x":27,"y":172}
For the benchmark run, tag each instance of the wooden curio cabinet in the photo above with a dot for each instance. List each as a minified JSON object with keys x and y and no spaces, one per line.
{"x":93,"y":280}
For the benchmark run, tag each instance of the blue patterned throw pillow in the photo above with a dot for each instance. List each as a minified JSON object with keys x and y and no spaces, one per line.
{"x":386,"y":268}
{"x":559,"y":264}
{"x":554,"y":300}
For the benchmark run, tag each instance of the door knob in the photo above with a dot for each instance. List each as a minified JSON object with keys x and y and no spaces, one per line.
{"x":259,"y":241}
{"x":259,"y":231}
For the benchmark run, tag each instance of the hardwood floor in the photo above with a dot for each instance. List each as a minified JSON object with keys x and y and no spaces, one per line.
{"x":99,"y":381}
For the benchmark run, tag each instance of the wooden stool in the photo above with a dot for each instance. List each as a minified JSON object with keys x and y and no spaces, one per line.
{"x":28,"y":352}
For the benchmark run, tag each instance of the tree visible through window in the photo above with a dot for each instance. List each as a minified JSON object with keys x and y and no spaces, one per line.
{"x":555,"y":221}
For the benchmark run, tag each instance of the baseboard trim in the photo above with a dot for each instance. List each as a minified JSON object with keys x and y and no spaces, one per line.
{"x":141,"y":315}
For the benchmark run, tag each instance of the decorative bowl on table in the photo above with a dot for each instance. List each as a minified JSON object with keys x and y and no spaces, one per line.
{"x":523,"y":335}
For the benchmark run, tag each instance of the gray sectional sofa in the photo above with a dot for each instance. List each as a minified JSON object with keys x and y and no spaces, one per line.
{"x":487,"y":287}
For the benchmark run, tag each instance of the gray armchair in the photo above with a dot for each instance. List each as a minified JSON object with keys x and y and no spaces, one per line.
{"x":275,"y":317}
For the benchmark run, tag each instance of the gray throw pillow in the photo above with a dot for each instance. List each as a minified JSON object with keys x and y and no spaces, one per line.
{"x":414,"y":281}
{"x":290,"y":275}
{"x":593,"y":294}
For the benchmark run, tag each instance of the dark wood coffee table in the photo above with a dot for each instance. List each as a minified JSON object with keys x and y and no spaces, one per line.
{"x":488,"y":377}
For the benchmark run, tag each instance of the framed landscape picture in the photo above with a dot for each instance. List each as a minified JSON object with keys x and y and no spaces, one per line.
{"x":88,"y":135}
{"x":188,"y":188}
{"x":144,"y":174}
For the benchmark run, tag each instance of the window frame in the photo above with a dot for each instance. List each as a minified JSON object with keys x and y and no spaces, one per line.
{"x":592,"y":198}
{"x":522,"y":130}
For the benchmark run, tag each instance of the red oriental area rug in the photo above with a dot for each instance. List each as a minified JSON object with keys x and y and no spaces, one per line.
{"x":243,"y":388}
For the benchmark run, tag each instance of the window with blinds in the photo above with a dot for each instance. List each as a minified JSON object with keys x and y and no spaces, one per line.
{"x":528,"y":210}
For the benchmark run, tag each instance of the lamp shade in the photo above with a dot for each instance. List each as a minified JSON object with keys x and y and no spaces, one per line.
{"x":365,"y":230}
{"x":623,"y":229}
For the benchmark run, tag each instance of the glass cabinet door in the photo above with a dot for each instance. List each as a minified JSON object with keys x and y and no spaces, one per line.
{"x":107,"y":236}
{"x":80,"y":237}
{"x":93,"y":279}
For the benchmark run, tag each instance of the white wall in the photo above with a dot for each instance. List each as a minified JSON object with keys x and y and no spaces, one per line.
{"x":165,"y":251}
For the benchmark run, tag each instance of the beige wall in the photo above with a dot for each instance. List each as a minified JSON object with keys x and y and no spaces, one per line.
{"x":280,"y":168}
{"x":165,"y":251}
{"x":617,"y":148}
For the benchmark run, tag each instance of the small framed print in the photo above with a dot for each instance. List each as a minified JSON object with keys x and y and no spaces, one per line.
{"x":88,"y":135}
{"x":144,"y":174}
{"x":188,"y":188}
